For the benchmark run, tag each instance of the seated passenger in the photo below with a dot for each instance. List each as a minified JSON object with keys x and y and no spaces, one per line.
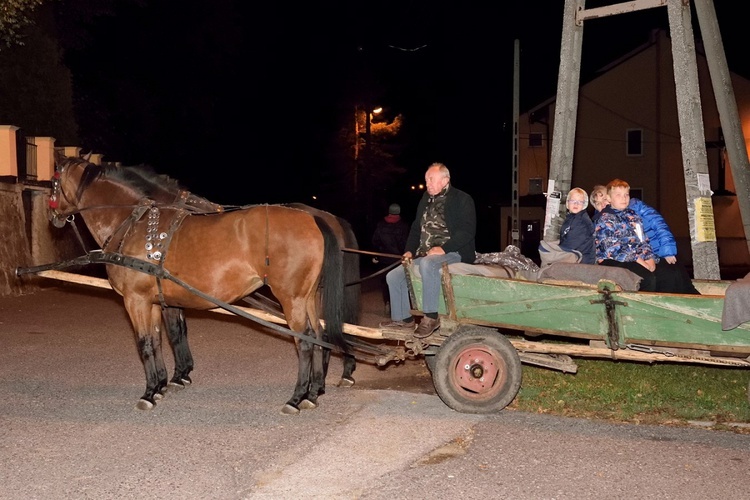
{"x":576,"y":243}
{"x":621,"y":241}
{"x":659,"y":235}
{"x":577,"y":230}
{"x":599,"y":200}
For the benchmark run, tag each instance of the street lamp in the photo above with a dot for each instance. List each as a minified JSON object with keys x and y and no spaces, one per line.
{"x":361,"y":150}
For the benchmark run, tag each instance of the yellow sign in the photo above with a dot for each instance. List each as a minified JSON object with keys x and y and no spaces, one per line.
{"x":705,"y":230}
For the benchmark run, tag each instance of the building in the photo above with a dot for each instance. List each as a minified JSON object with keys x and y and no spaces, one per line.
{"x":628,"y":128}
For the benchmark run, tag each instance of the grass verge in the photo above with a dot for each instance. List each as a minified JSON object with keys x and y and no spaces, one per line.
{"x":671,"y":394}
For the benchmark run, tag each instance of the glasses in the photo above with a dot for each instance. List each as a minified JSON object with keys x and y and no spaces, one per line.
{"x":576,"y":202}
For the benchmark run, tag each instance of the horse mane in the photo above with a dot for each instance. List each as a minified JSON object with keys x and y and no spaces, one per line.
{"x":147,"y":183}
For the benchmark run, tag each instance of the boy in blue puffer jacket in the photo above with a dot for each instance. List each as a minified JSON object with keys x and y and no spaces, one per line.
{"x":660,"y":236}
{"x":623,"y":238}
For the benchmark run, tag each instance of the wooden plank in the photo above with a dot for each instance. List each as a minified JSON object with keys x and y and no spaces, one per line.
{"x":359,"y":331}
{"x":586,"y":351}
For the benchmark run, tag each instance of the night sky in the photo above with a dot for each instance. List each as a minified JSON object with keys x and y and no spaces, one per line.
{"x":243,"y":101}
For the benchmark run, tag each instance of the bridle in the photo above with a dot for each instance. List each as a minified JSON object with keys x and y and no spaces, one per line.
{"x":57,"y":218}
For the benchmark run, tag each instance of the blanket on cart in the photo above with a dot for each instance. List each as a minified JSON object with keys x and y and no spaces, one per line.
{"x":736,"y":304}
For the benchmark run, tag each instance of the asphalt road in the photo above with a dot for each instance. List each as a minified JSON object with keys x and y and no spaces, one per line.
{"x":70,"y":378}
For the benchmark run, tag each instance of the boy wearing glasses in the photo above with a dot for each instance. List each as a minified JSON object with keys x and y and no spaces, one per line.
{"x":577,"y":230}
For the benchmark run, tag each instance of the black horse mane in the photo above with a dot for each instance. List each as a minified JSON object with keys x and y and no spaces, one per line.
{"x":141,"y":178}
{"x":147,"y":183}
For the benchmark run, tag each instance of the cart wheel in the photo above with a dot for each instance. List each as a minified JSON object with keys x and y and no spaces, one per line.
{"x":477,"y":370}
{"x":429,"y":360}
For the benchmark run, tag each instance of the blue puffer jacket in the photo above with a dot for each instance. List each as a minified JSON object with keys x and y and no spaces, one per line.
{"x":660,"y":237}
{"x":657,"y":230}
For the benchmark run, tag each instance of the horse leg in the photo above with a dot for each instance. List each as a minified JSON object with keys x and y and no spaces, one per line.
{"x":350,"y":364}
{"x":176,"y":327}
{"x":146,"y":320}
{"x":317,"y":379}
{"x":304,"y":352}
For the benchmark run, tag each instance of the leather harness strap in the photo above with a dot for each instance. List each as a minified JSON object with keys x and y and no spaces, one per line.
{"x":174,"y":225}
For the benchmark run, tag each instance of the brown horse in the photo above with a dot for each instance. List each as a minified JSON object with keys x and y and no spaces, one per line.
{"x":225,"y":256}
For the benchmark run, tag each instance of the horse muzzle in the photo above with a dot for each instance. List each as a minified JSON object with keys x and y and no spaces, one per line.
{"x":57,"y":220}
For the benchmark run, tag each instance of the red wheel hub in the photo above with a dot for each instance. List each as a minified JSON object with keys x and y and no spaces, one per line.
{"x":476,"y":370}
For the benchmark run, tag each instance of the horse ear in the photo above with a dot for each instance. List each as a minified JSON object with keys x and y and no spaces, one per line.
{"x":59,"y":157}
{"x":87,"y":156}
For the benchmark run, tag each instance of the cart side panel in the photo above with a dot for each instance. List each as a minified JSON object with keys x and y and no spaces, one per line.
{"x":691,"y":321}
{"x":669,"y":319}
{"x":525,"y":305}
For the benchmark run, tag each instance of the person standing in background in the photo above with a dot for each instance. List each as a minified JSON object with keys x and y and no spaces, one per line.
{"x":390,"y":237}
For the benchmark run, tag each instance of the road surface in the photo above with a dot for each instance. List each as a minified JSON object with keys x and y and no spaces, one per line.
{"x":70,"y":378}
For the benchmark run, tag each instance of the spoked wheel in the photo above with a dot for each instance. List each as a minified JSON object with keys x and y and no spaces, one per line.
{"x":477,"y":370}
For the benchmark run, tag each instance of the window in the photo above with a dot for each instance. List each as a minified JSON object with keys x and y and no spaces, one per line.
{"x":634,"y":142}
{"x":535,"y":140}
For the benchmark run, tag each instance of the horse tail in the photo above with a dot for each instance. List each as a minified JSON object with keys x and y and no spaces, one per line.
{"x":332,"y":282}
{"x":352,"y":290}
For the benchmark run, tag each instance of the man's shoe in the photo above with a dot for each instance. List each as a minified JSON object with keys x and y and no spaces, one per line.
{"x":404,"y":326}
{"x":426,"y":327}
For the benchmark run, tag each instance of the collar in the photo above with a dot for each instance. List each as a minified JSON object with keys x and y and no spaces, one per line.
{"x":442,"y":192}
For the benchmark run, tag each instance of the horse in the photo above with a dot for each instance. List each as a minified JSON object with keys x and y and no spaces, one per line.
{"x":162,"y":189}
{"x":226,"y":255}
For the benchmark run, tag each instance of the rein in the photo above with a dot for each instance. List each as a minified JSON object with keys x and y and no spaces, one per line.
{"x":376,"y":254}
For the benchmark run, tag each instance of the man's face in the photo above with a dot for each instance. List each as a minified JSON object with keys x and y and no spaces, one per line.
{"x":619,"y":198}
{"x":435,"y":180}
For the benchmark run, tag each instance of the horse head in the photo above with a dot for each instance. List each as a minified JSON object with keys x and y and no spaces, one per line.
{"x":63,"y":201}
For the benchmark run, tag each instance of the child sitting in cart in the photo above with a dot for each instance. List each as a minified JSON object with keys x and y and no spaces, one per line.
{"x":621,"y":241}
{"x":576,"y":242}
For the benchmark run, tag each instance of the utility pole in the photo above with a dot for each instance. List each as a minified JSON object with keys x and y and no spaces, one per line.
{"x":515,"y":237}
{"x":566,"y":112}
{"x":694,"y":158}
{"x":727,"y":105}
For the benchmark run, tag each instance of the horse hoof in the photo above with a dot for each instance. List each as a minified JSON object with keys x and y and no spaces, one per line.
{"x":160,"y":395}
{"x":144,"y":405}
{"x":289,"y":410}
{"x":306,"y":404}
{"x":346,"y":382}
{"x":176,"y":386}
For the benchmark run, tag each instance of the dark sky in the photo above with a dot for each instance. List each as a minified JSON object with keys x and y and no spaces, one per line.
{"x":241,"y":100}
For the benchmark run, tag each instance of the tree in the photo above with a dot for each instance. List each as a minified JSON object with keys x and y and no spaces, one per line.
{"x":15,"y":15}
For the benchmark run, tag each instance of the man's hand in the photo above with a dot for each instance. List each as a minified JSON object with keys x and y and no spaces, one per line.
{"x":406,"y":257}
{"x":436,"y":251}
{"x":671,"y":259}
